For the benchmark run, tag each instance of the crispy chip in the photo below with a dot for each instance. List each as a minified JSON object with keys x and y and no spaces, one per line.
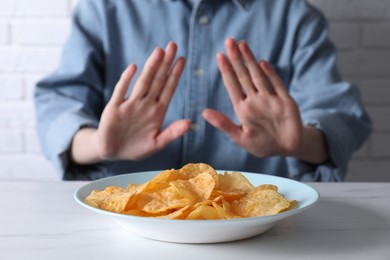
{"x":112,"y":198}
{"x":225,"y":206}
{"x":195,"y":192}
{"x":260,"y":202}
{"x":162,"y":180}
{"x":228,"y":195}
{"x":162,"y":201}
{"x":233,"y":186}
{"x":267,"y":187}
{"x":191,"y":170}
{"x":178,"y":214}
{"x":234,"y":181}
{"x":196,"y":189}
{"x":202,"y":211}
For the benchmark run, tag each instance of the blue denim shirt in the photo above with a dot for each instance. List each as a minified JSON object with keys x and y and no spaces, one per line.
{"x":108,"y":35}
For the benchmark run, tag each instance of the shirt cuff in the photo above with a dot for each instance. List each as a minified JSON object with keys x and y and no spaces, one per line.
{"x":340,"y":147}
{"x":337,"y":134}
{"x":60,"y":136}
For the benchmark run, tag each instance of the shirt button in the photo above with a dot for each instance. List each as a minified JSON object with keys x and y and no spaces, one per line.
{"x":195,"y":127}
{"x":203,"y":20}
{"x":199,"y":72}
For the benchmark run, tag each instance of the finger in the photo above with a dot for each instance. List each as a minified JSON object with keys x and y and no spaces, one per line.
{"x":260,"y":81}
{"x":119,"y":94}
{"x":222,"y":122}
{"x":172,"y":81}
{"x":239,"y":67}
{"x":143,"y":83}
{"x":273,"y":77}
{"x":230,"y":80}
{"x":173,"y":132}
{"x":162,"y":73}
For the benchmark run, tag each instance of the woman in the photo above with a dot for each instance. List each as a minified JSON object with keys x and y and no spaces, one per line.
{"x":274,"y":103}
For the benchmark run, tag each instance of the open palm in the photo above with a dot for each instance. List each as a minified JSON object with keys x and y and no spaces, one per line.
{"x":270,"y":122}
{"x":130,"y":128}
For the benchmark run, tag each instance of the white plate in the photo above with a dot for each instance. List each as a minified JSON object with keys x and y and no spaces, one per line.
{"x":201,"y":231}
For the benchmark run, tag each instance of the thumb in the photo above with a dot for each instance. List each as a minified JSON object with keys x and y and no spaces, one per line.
{"x":173,"y":132}
{"x":222,"y":122}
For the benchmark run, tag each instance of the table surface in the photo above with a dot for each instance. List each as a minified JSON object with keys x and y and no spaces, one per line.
{"x":41,"y":220}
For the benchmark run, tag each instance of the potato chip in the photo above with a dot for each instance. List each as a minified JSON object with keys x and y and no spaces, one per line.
{"x":224,"y":204}
{"x":234,"y":181}
{"x":202,"y":212}
{"x":293,"y":204}
{"x":162,"y":201}
{"x":112,"y":198}
{"x":232,"y":186}
{"x":178,"y":214}
{"x":267,"y":187}
{"x":195,"y":192}
{"x":137,"y":191}
{"x":196,"y":189}
{"x":162,"y":180}
{"x":223,"y":211}
{"x":191,"y":170}
{"x":260,"y":202}
{"x":228,"y":195}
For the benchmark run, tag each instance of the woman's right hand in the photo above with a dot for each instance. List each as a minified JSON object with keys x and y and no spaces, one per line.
{"x":130,"y":128}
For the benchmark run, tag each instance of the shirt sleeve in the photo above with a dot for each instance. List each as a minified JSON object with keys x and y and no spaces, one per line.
{"x":325,"y":101}
{"x":72,"y":97}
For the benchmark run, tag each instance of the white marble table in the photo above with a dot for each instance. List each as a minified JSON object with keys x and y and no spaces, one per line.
{"x":41,"y":220}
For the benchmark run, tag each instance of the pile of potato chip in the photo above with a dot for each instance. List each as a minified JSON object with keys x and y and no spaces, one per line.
{"x":193,"y":192}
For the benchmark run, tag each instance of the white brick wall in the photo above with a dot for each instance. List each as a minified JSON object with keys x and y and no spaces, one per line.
{"x":361,"y":32}
{"x":32,"y":33}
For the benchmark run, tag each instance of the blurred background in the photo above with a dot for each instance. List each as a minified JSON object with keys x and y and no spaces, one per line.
{"x":32,"y":33}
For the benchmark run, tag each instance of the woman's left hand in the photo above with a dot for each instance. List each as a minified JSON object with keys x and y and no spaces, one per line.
{"x":270,"y":122}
